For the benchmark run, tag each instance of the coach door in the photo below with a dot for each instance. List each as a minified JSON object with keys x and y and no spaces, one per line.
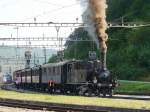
{"x":40,"y":75}
{"x":64,"y":73}
{"x":70,"y":69}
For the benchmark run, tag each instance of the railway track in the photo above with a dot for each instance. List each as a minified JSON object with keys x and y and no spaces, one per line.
{"x":62,"y":107}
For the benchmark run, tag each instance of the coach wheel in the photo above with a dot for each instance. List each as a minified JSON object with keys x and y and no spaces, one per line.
{"x":104,"y":93}
{"x":110,"y":95}
{"x":50,"y":90}
{"x":63,"y":91}
{"x":88,"y":93}
{"x":96,"y":93}
{"x":80,"y":93}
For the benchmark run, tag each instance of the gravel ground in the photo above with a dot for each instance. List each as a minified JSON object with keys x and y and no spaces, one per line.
{"x":10,"y":109}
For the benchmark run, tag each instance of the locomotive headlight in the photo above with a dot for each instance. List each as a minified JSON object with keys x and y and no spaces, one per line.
{"x":110,"y":85}
{"x":95,"y":81}
{"x":99,"y":85}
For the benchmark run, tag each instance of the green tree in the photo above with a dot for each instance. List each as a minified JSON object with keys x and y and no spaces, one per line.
{"x":53,"y":59}
{"x":128,"y":49}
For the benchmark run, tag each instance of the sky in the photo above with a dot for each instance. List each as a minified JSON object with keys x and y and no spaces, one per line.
{"x":43,"y":11}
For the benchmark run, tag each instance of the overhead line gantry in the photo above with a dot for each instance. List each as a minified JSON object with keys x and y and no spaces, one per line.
{"x":52,"y":24}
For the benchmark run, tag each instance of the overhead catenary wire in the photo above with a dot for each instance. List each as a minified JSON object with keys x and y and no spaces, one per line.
{"x":77,"y":25}
{"x":52,"y":11}
{"x":123,"y":16}
{"x":49,"y":3}
{"x":44,"y":39}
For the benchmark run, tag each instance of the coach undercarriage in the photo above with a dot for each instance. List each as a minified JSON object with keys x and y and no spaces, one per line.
{"x":82,"y":89}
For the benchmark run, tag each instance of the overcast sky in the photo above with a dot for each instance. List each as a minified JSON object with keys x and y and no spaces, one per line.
{"x":43,"y":11}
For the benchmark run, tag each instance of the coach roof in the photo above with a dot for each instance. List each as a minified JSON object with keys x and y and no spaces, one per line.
{"x":56,"y":64}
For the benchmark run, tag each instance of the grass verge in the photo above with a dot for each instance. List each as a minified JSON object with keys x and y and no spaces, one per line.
{"x":133,"y":87}
{"x":107,"y":102}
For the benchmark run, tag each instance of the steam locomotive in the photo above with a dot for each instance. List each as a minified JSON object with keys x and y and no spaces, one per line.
{"x":71,"y":76}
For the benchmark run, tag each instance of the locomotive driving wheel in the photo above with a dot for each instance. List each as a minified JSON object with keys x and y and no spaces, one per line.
{"x":104,"y":93}
{"x":108,"y":92}
{"x":88,"y":92}
{"x":82,"y":90}
{"x":111,"y":92}
{"x":85,"y":91}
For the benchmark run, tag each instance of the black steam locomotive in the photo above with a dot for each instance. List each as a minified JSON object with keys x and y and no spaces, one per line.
{"x":68,"y":77}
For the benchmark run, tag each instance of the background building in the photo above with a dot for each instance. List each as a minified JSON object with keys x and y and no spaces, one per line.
{"x":13,"y":58}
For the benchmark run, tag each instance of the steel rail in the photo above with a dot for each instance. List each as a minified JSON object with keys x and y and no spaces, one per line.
{"x":63,"y":107}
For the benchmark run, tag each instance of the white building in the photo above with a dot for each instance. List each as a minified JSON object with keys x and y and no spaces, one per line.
{"x":12,"y":58}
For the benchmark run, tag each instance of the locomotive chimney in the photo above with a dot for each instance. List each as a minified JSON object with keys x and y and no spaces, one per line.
{"x":103,"y":59}
{"x":101,"y":27}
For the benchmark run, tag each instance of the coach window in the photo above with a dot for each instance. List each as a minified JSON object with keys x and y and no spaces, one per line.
{"x":44,"y":70}
{"x":32,"y":72}
{"x":36,"y":72}
{"x":53,"y":69}
{"x":22,"y":74}
{"x":81,"y":76}
{"x":28,"y":73}
{"x":57,"y":72}
{"x":70,"y":68}
{"x":79,"y":66}
{"x":49,"y":70}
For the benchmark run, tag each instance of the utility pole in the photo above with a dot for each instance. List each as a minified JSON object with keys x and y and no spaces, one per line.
{"x":0,"y":68}
{"x":17,"y":55}
{"x":10,"y":69}
{"x":44,"y":50}
{"x":57,"y":30}
{"x":75,"y":49}
{"x":37,"y":59}
{"x":34,"y":59}
{"x":122,"y":21}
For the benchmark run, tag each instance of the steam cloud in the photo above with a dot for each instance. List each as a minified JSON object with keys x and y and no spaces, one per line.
{"x":95,"y":17}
